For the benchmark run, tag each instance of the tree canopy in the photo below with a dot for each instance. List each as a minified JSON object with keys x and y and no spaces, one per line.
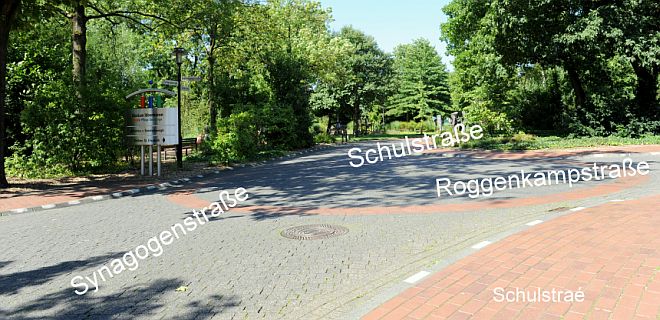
{"x":274,"y":73}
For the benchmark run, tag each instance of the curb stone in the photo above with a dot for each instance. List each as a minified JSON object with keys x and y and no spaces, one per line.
{"x":159,"y":186}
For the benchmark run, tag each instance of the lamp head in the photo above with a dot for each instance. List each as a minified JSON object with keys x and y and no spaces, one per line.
{"x":179,"y":53}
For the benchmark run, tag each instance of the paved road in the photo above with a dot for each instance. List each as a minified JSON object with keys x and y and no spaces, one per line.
{"x":238,"y":266}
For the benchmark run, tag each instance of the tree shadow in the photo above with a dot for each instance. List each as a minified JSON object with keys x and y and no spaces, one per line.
{"x":136,"y":300}
{"x":11,"y":284}
{"x":5,"y":263}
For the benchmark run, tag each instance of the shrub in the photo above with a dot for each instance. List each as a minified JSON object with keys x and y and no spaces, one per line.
{"x":69,"y":134}
{"x":324,"y":138}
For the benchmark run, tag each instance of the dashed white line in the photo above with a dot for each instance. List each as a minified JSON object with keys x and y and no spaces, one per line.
{"x":48,"y":206}
{"x":96,"y":198}
{"x":416,"y":277}
{"x":73,"y":202}
{"x":617,"y":200}
{"x":481,"y":244}
{"x":577,"y":209}
{"x":19,"y":210}
{"x":533,"y":223}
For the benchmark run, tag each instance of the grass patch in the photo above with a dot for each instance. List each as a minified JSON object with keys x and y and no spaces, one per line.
{"x":531,"y":142}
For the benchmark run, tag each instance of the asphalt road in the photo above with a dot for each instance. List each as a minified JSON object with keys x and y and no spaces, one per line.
{"x":239,"y":266}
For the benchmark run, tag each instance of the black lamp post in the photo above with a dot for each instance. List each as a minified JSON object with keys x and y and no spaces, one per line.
{"x":179,"y":53}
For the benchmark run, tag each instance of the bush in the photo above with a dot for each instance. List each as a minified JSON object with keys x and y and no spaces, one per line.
{"x":410,"y":126}
{"x":68,"y":135}
{"x":324,"y":138}
{"x":254,"y":130}
{"x":238,"y":138}
{"x":492,"y":121}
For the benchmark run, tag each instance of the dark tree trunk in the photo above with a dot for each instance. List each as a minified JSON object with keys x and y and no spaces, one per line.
{"x":79,"y":46}
{"x":356,"y":113}
{"x":213,"y":110}
{"x":580,"y":96}
{"x":576,"y":83}
{"x":7,"y":17}
{"x":646,"y":92}
{"x":327,"y":129}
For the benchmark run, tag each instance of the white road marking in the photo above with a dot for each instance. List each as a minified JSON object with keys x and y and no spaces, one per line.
{"x":599,"y":155}
{"x":533,"y":223}
{"x":416,"y":277}
{"x":117,"y":195}
{"x":20,"y":210}
{"x":97,"y":198}
{"x":74,"y":202}
{"x":655,"y":153}
{"x":578,"y":209}
{"x":481,"y":244}
{"x":617,"y":200}
{"x":48,"y":206}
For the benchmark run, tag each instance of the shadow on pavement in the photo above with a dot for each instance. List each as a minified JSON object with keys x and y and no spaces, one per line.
{"x":137,"y":301}
{"x":12,"y":283}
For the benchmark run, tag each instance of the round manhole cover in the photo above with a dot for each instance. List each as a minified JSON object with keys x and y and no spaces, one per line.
{"x":314,"y":231}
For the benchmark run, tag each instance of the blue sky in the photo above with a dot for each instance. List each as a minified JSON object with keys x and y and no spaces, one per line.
{"x":392,"y":22}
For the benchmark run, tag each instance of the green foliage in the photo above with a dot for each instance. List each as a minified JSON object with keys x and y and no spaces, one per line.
{"x":256,"y":129}
{"x":67,"y":134}
{"x":324,"y":138}
{"x":565,"y":65}
{"x":362,"y":88}
{"x":419,"y":83}
{"x":491,"y":121}
{"x":238,"y":138}
{"x":410,"y":126}
{"x":522,"y":141}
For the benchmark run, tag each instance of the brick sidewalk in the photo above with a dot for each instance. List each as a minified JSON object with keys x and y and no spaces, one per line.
{"x":611,"y":252}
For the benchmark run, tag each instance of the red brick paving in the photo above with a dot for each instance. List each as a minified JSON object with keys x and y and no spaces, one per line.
{"x":610,"y":252}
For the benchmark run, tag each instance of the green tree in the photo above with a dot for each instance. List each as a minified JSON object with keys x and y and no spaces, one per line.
{"x":365,"y":73}
{"x":420,"y":82}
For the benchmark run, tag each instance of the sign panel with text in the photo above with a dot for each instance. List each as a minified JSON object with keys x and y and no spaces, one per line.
{"x":154,"y":126}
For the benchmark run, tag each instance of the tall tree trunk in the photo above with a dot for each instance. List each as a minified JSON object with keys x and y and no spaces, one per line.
{"x":213,"y":110}
{"x":576,"y":83}
{"x":646,"y":92}
{"x":356,"y":113}
{"x":580,"y":95}
{"x":7,"y":17}
{"x":79,"y":46}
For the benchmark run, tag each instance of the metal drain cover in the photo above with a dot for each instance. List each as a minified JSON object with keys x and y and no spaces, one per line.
{"x":314,"y":231}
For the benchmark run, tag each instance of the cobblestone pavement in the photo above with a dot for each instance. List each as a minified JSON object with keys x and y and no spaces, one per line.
{"x":238,"y":266}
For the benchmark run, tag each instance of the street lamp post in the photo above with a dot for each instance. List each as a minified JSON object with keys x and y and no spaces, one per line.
{"x":179,"y":53}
